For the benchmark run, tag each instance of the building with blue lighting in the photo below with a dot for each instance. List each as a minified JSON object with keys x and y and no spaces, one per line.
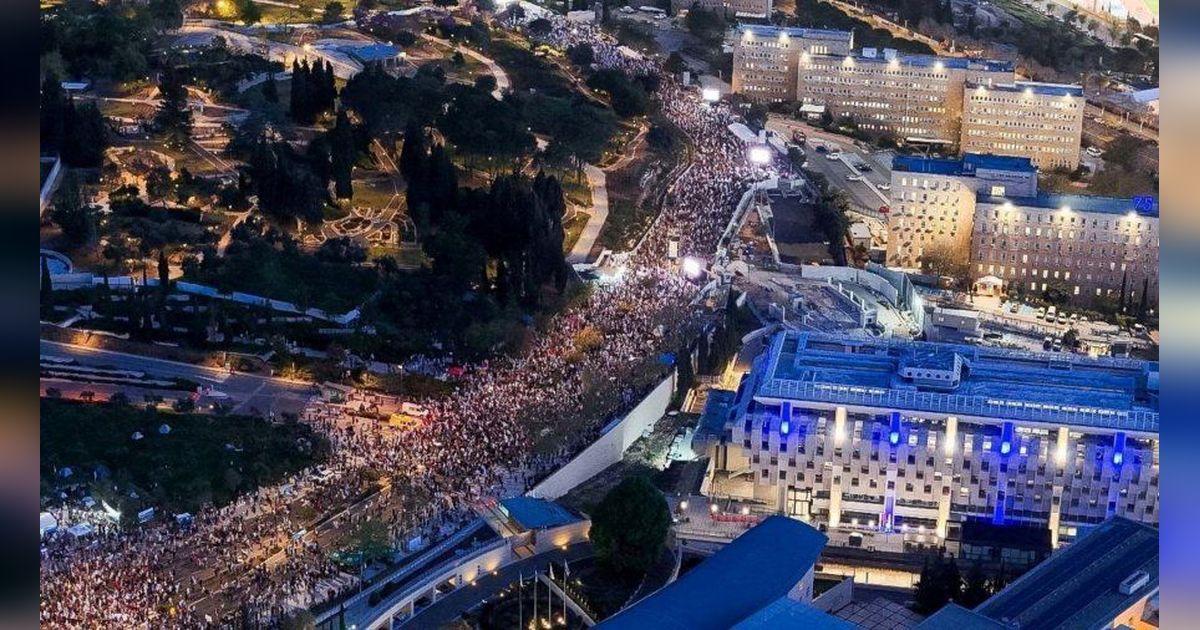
{"x":894,"y":445}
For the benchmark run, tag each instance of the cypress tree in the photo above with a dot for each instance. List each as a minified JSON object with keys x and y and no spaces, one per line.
{"x":53,"y":110}
{"x":1143,"y":302}
{"x":270,"y":89}
{"x":342,"y":155}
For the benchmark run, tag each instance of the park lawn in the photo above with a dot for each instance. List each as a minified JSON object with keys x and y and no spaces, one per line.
{"x":203,"y":460}
{"x":572,"y":228}
{"x":406,"y":256}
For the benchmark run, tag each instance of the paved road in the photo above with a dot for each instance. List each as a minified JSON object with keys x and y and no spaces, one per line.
{"x":247,"y":391}
{"x":864,"y":197}
{"x":502,"y":82}
{"x":451,"y":606}
{"x":599,"y":214}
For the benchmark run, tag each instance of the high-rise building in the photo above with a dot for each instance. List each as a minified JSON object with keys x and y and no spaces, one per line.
{"x":895,"y":444}
{"x":766,"y":58}
{"x":909,"y":96}
{"x":1041,"y":121}
{"x":1086,"y":247}
{"x":933,"y":201}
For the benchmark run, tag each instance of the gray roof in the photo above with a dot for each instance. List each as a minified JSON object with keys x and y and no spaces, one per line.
{"x":788,"y":613}
{"x":955,"y":617}
{"x":1077,"y":587}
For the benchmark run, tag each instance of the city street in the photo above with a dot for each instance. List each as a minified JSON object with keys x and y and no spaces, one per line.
{"x":246,"y":392}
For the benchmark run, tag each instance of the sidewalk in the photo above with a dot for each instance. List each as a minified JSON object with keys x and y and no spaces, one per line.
{"x":599,"y":214}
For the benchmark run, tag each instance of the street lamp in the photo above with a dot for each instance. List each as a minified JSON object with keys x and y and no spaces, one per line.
{"x":760,"y":155}
{"x":692,"y":267}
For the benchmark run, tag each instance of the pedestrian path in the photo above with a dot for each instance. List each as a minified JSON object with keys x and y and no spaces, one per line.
{"x":599,"y":214}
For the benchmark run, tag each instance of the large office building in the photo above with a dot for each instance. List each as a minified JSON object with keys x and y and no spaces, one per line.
{"x":1041,"y":121}
{"x":895,"y":444}
{"x":729,"y":8}
{"x":766,"y":58}
{"x":910,"y":96}
{"x":1088,"y":247}
{"x":933,"y":201}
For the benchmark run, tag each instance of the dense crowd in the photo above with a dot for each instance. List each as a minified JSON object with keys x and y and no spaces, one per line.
{"x":270,"y":551}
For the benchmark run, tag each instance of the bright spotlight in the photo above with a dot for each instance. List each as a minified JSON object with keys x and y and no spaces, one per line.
{"x":692,"y":267}
{"x":760,"y":155}
{"x":711,"y":95}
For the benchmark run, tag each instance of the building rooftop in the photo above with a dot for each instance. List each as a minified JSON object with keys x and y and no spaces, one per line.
{"x":760,"y":30}
{"x":1079,"y":586}
{"x":532,"y":513}
{"x":991,"y":383}
{"x":1145,"y":96}
{"x":789,"y":613}
{"x":1146,"y":206}
{"x":1046,"y":89}
{"x":933,"y":61}
{"x":746,"y":576}
{"x":371,"y":52}
{"x":955,"y":617}
{"x":964,"y":166}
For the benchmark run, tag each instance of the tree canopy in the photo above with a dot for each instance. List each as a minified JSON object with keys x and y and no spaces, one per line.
{"x":630,"y":525}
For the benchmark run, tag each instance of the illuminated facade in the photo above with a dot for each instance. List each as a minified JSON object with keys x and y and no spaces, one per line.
{"x":910,"y":96}
{"x":901,"y":442}
{"x":728,"y":8}
{"x":933,"y":201}
{"x":766,"y":58}
{"x":1085,"y":246}
{"x":1041,"y":121}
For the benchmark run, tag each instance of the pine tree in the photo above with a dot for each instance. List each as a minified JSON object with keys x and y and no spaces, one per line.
{"x":270,"y":88}
{"x":341,"y":148}
{"x":173,"y":118}
{"x":976,"y":590}
{"x":164,"y":275}
{"x":412,"y":154}
{"x":47,"y":288}
{"x":53,"y":109}
{"x":299,"y":106}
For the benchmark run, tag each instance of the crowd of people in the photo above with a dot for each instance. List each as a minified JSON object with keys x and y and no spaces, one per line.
{"x":510,"y":422}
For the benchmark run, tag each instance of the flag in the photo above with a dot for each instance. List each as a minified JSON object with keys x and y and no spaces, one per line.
{"x":551,"y":568}
{"x":566,"y":569}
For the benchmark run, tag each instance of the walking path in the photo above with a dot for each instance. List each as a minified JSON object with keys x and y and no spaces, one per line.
{"x":502,"y":82}
{"x":583,"y":246}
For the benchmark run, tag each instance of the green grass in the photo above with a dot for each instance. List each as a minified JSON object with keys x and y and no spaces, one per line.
{"x":182,"y":471}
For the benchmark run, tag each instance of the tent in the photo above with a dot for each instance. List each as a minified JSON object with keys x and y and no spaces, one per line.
{"x":47,"y":523}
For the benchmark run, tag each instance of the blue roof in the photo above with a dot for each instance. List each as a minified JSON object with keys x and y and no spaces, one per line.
{"x":1077,"y":587}
{"x":967,"y":165}
{"x":1145,"y":206}
{"x":789,"y":613}
{"x":747,"y":575}
{"x":807,"y":33}
{"x":955,"y":617}
{"x":927,"y":61}
{"x":992,"y":383}
{"x":1049,"y":89}
{"x":372,"y":52}
{"x":533,"y":513}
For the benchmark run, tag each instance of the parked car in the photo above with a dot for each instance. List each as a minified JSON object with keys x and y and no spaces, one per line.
{"x":854,"y":178}
{"x":1016,"y":306}
{"x":833,"y":156}
{"x":884,"y":187}
{"x":1094,"y":152}
{"x":822,"y":148}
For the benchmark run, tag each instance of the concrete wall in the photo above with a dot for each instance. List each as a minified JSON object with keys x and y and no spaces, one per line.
{"x":610,"y":447}
{"x":835,"y":598}
{"x":854,"y":276}
{"x":562,"y":536}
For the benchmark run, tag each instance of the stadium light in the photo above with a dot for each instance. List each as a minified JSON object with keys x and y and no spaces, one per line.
{"x":760,"y":155}
{"x":711,"y":95}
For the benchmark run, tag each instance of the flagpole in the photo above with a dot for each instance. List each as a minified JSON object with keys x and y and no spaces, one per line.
{"x":520,"y":601}
{"x":535,"y":583}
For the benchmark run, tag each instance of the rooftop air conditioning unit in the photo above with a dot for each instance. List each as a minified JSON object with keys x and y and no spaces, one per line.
{"x":1134,"y":582}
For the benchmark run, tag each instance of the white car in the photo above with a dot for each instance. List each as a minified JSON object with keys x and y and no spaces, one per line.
{"x":1094,"y":152}
{"x":884,"y":186}
{"x":833,"y":156}
{"x":854,"y":178}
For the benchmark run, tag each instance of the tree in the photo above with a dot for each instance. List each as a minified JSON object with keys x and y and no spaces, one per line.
{"x":71,"y":213}
{"x":342,"y":154}
{"x":707,"y":25}
{"x":629,"y":527}
{"x":1070,"y":339}
{"x":977,"y":587}
{"x":173,"y":118}
{"x":158,"y":183}
{"x":85,"y":135}
{"x":1124,"y":291}
{"x":53,"y":114}
{"x":370,"y":541}
{"x":47,"y":285}
{"x":1143,"y":301}
{"x":940,"y":583}
{"x":270,"y":88}
{"x":164,"y":275}
{"x":333,"y":12}
{"x":581,"y":55}
{"x":248,"y":11}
